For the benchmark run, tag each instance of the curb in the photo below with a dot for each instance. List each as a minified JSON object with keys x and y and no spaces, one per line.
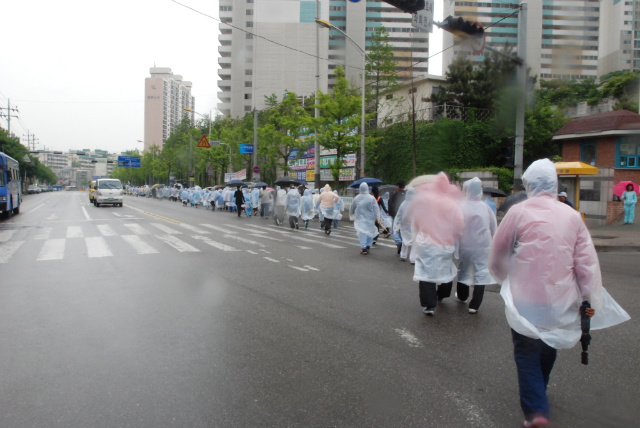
{"x":617,"y":248}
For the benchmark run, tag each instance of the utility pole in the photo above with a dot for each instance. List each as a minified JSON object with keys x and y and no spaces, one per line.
{"x":31,"y":141}
{"x":520,"y":108}
{"x":316,"y":152}
{"x":8,"y":115}
{"x":255,"y":176}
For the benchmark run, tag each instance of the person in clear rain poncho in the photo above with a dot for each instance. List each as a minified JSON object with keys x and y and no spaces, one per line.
{"x":402,"y":227}
{"x":293,"y":207}
{"x":364,"y":212}
{"x":338,"y":207}
{"x":547,"y":265}
{"x":436,"y":227}
{"x":184,"y":196}
{"x":306,"y":207}
{"x":326,"y":207}
{"x":475,"y":245}
{"x":255,"y":201}
{"x":280,"y":206}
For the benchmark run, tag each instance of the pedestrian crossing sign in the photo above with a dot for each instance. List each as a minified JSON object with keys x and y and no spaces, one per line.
{"x":204,"y":142}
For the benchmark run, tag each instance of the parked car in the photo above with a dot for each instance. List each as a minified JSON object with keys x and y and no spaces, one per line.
{"x":109,"y":191}
{"x":33,"y":189}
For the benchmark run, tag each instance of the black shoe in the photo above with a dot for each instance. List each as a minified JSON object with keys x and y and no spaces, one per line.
{"x":399,"y":247}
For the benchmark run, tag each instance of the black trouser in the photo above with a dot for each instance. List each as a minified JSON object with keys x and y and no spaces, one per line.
{"x":326,"y":223}
{"x":293,"y":221}
{"x":429,"y":297}
{"x":478,"y":294}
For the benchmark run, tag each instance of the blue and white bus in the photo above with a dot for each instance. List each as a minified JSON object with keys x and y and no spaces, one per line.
{"x":10,"y":187}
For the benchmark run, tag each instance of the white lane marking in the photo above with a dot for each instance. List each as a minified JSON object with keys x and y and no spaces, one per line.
{"x":265,"y":237}
{"x":265,"y":251}
{"x":106,"y":230}
{"x":219,"y":229}
{"x":311,"y":241}
{"x":245,"y":240}
{"x":7,"y":250}
{"x":311,"y":268}
{"x":97,"y":247}
{"x":215,"y":244}
{"x":299,"y":268}
{"x":289,"y":260}
{"x":178,"y":244}
{"x":116,"y":214}
{"x":139,"y":245}
{"x":271,"y":260}
{"x":74,"y":232}
{"x":5,"y":235}
{"x":52,"y":249}
{"x":29,"y":212}
{"x":136,"y":228}
{"x":86,"y":214}
{"x":51,"y":217}
{"x":244,"y":228}
{"x":166,"y":229}
{"x":194,"y":228}
{"x":42,"y":233}
{"x":409,"y":337}
{"x":251,"y":252}
{"x":302,"y":247}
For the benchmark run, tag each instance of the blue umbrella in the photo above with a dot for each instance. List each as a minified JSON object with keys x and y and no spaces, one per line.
{"x":370,"y":181}
{"x":234,"y":182}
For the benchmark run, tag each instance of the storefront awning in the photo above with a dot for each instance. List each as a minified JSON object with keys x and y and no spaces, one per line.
{"x":575,"y":168}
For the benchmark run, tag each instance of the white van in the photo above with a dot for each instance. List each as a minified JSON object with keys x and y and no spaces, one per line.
{"x":108,"y":191}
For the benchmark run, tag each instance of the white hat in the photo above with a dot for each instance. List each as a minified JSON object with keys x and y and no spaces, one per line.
{"x":562,"y":194}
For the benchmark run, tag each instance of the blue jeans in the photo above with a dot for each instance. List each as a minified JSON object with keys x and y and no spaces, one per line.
{"x":534,"y":361}
{"x":365,"y":240}
{"x":396,"y":236}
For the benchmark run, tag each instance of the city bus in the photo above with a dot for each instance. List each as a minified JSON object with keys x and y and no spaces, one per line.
{"x":10,"y":187}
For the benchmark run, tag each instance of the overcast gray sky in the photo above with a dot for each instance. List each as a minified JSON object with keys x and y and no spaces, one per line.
{"x":75,"y":69}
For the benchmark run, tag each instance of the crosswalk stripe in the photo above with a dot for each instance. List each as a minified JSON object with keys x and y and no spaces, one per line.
{"x":74,"y":232}
{"x":179,"y":245}
{"x":219,"y":229}
{"x":312,"y":241}
{"x":166,"y":229}
{"x":5,"y":235}
{"x":139,"y":245}
{"x":97,"y":247}
{"x":258,"y":235}
{"x":106,"y":230}
{"x":311,"y":268}
{"x":299,"y":268}
{"x":215,"y":244}
{"x":245,"y":240}
{"x":271,"y":260}
{"x":194,"y":228}
{"x":52,"y":249}
{"x":136,"y":228}
{"x":7,"y":250}
{"x":41,"y":233}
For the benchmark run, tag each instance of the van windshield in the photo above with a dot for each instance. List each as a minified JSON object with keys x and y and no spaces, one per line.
{"x":111,"y":184}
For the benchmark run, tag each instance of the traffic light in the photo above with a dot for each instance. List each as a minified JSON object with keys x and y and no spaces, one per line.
{"x":409,"y":6}
{"x":461,"y":27}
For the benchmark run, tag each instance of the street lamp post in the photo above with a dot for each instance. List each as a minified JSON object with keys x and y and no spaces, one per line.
{"x":229,"y":164}
{"x":329,"y":25}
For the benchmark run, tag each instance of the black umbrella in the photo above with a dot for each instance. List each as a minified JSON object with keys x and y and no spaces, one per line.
{"x":369,"y":180}
{"x":493,"y":191}
{"x":511,"y":200}
{"x":235,"y":182}
{"x":287,"y":181}
{"x":259,"y":184}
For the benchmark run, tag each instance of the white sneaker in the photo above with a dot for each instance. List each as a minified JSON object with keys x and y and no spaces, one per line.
{"x":473,"y":311}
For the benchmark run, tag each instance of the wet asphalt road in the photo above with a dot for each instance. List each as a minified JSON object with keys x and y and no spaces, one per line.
{"x":155,"y":315}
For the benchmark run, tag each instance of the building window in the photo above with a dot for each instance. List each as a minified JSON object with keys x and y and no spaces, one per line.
{"x":247,"y":96}
{"x":588,"y":153}
{"x":627,"y":152}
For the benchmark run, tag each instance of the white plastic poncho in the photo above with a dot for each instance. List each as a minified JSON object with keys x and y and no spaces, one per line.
{"x":338,"y":207}
{"x":475,"y":244}
{"x":364,"y":211}
{"x":185,"y":195}
{"x":255,"y":198}
{"x":546,"y":262}
{"x":306,"y":206}
{"x":387,"y":220}
{"x":436,"y":227}
{"x":293,"y":203}
{"x":402,"y":222}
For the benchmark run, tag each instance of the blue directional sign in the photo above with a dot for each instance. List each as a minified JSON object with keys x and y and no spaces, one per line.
{"x":246,"y":149}
{"x":129,"y":161}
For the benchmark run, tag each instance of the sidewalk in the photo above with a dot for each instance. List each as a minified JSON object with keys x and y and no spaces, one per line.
{"x":617,"y":237}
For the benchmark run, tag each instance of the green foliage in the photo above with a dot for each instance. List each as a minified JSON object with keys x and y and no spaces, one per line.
{"x":33,"y":169}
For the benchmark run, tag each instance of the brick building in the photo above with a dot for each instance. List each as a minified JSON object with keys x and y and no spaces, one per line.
{"x":611,"y":142}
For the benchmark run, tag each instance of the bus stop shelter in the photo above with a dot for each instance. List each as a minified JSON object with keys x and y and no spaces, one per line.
{"x":572,"y":171}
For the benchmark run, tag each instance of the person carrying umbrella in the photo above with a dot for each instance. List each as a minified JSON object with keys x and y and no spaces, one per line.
{"x":326,"y":203}
{"x":545,"y":260}
{"x":364,"y":211}
{"x":293,"y":207}
{"x":630,"y":198}
{"x":239,"y":199}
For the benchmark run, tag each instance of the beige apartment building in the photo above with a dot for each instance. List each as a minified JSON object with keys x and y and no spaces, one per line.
{"x":166,"y":96}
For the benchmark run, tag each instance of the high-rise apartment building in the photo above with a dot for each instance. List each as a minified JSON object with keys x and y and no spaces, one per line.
{"x":619,"y":36}
{"x":562,"y":35}
{"x":271,"y":46}
{"x":166,"y":96}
